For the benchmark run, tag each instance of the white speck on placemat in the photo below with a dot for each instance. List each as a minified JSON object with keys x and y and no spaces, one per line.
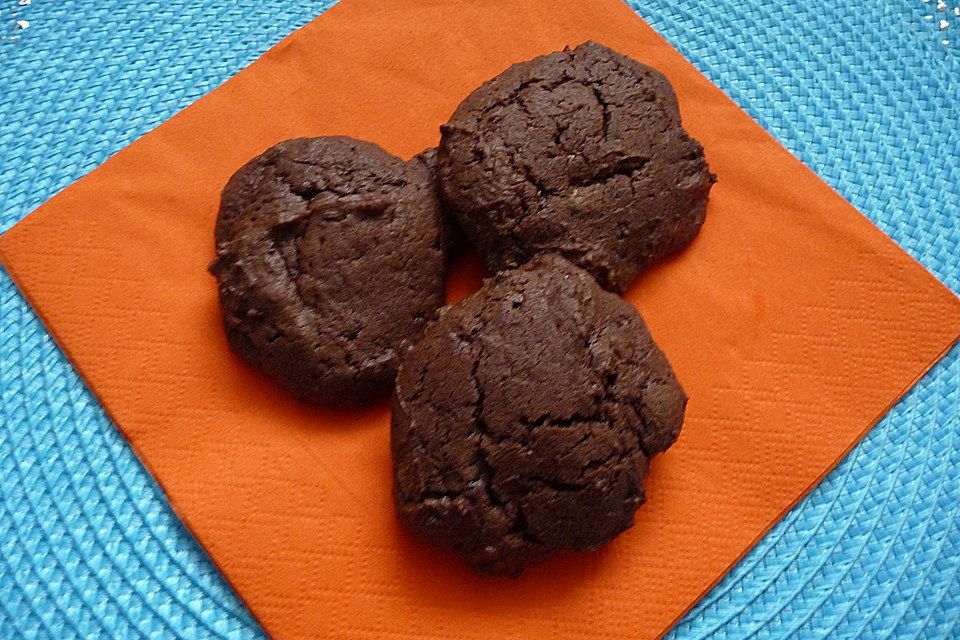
{"x":12,"y":19}
{"x":937,"y":12}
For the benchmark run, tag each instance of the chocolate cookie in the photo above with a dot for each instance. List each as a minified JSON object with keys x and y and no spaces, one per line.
{"x":579,"y":153}
{"x":454,"y":240}
{"x":524,"y":418}
{"x":330,"y":256}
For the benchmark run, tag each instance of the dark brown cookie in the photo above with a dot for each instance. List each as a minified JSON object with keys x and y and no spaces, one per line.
{"x":579,"y":153}
{"x":524,"y":418}
{"x":330,"y":258}
{"x":455,"y":241}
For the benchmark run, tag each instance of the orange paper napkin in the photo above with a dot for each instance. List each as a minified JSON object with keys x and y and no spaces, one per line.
{"x":792,"y":322}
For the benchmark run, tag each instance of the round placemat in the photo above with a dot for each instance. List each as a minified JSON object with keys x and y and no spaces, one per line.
{"x":868,"y":95}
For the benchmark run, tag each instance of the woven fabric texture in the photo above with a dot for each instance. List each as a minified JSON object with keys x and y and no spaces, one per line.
{"x":868,"y":97}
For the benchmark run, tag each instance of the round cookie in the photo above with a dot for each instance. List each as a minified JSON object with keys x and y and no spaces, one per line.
{"x":579,"y":153}
{"x":454,"y":241}
{"x":330,"y":257}
{"x":524,"y":418}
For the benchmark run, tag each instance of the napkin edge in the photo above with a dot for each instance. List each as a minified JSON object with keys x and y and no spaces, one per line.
{"x":924,"y":370}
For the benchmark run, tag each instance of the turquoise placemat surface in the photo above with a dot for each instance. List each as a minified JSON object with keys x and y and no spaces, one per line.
{"x":867,"y":94}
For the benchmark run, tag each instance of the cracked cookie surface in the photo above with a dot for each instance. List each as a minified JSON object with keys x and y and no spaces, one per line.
{"x":524,"y":419}
{"x":330,"y":256}
{"x":579,"y":153}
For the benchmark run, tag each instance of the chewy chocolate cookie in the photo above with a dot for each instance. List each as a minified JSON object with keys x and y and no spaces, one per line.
{"x":454,"y":241}
{"x":579,"y":153}
{"x":524,"y":419}
{"x":330,"y":257}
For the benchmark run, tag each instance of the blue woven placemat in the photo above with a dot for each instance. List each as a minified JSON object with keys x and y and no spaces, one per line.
{"x":867,"y":94}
